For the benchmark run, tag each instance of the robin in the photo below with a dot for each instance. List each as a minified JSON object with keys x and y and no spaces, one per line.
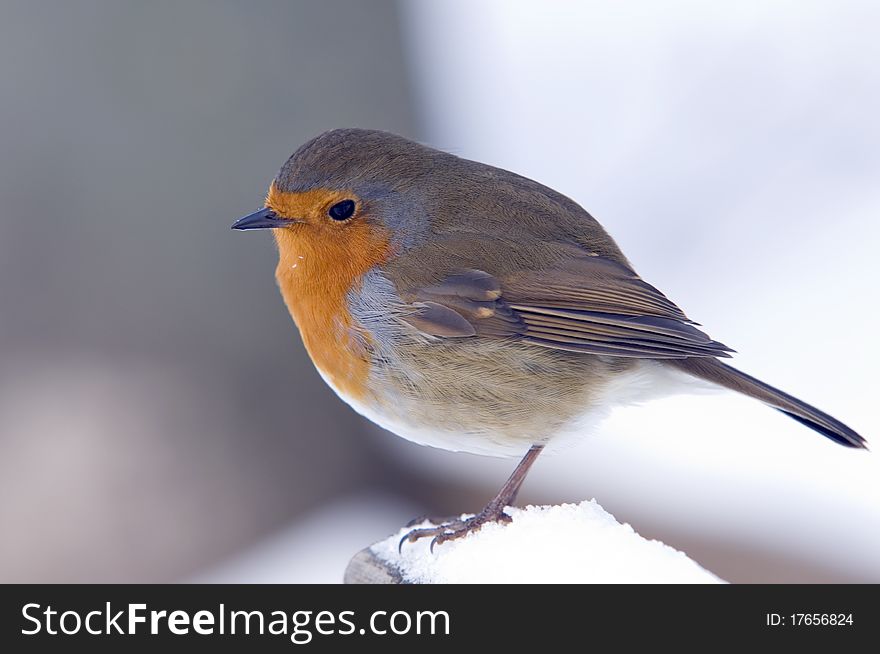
{"x":465,"y":307}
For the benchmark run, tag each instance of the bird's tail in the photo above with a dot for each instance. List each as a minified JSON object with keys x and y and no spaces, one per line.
{"x":719,"y":373}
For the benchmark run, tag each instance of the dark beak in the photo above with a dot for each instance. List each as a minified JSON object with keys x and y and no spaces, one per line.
{"x":262,"y":219}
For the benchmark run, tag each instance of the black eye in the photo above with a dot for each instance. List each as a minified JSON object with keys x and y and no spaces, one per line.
{"x":342,"y":210}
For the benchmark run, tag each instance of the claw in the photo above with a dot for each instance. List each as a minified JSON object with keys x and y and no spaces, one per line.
{"x":455,"y":528}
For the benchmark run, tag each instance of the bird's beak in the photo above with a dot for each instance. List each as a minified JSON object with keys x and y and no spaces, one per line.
{"x":262,"y":219}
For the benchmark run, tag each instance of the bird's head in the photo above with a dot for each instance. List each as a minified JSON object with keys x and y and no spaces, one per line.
{"x":345,"y":202}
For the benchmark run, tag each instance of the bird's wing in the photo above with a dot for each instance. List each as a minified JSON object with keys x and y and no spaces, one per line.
{"x":584,"y":304}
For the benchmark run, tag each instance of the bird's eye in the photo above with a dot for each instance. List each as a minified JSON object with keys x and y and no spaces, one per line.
{"x":342,"y":210}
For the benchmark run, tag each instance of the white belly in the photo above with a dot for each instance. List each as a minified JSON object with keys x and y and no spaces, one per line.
{"x":647,"y":381}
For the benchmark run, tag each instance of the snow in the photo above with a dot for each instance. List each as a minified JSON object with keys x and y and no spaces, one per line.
{"x":568,"y":543}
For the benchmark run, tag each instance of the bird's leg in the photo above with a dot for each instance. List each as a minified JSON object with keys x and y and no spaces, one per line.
{"x":492,"y":512}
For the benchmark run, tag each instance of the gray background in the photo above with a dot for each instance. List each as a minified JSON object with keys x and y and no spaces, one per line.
{"x":157,"y":409}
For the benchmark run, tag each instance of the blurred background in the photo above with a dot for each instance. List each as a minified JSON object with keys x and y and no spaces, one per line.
{"x":159,"y":418}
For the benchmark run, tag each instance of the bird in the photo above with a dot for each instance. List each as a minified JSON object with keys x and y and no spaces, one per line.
{"x":466,"y":307}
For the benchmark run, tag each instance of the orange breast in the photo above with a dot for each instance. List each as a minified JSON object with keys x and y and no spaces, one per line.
{"x":319,"y":264}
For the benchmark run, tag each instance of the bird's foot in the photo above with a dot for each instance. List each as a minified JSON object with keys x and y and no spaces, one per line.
{"x":456,"y":528}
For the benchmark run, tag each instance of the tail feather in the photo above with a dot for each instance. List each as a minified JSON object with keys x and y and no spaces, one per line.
{"x":719,"y":373}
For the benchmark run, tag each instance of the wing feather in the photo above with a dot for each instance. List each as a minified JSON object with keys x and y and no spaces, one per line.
{"x":585,"y":304}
